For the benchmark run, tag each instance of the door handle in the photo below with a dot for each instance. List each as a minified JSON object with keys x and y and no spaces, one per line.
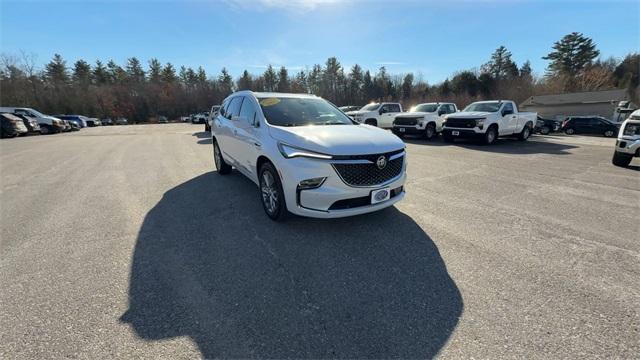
{"x":257,"y":144}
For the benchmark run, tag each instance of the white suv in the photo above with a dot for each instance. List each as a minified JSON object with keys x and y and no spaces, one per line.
{"x":306,"y":156}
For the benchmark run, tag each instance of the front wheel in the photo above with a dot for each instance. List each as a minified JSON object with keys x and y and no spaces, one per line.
{"x":609,"y":133}
{"x":621,"y":159}
{"x":569,"y":131}
{"x":206,"y":127}
{"x":490,"y":136}
{"x":221,"y":166}
{"x":271,"y":193}
{"x":430,"y":131}
{"x":545,"y":130}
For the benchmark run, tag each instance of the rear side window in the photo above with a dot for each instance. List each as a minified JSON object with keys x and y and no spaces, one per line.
{"x":248,"y":111}
{"x":508,"y":107}
{"x":234,"y":107}
{"x":223,"y":108}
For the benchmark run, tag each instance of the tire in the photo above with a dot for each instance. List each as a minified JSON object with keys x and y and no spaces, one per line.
{"x":525,"y":133}
{"x":569,"y":131}
{"x":609,"y":133}
{"x":372,"y":122}
{"x":206,"y":127}
{"x":430,"y":131}
{"x":221,"y":166}
{"x":621,"y":159}
{"x":490,"y":136}
{"x":271,"y":193}
{"x":45,"y":129}
{"x":545,"y":130}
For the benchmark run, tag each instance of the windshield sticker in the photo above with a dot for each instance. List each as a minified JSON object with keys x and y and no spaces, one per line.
{"x":269,"y":101}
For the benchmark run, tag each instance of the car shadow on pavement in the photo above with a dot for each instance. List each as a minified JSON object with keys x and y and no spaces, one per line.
{"x":204,"y":137}
{"x":503,"y":146}
{"x":208,"y":264}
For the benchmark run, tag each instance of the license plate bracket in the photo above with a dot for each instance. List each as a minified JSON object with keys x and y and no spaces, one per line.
{"x":380,"y":195}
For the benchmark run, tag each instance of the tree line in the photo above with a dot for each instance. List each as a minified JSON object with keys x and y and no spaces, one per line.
{"x":142,"y":92}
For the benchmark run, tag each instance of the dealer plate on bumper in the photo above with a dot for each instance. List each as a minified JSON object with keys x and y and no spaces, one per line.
{"x":380,"y":195}
{"x":401,"y":129}
{"x":455,"y":133}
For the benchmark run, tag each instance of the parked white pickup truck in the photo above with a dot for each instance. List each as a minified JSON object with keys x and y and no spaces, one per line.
{"x":488,"y":120}
{"x":378,"y":114}
{"x":423,"y":119}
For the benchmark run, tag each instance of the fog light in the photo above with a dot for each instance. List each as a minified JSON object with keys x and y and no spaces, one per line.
{"x":311,"y":183}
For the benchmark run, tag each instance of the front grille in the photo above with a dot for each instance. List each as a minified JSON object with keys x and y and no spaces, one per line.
{"x":368,"y":174}
{"x":407,"y":121}
{"x":460,"y":123}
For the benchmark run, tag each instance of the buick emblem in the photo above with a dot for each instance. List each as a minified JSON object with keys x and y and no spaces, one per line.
{"x":381,"y":163}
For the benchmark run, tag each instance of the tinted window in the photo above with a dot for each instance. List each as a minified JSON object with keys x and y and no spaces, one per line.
{"x":234,"y":107}
{"x":248,"y":111}
{"x":450,"y":109}
{"x":484,"y":107}
{"x":223,"y":107}
{"x":292,"y":111}
{"x":508,"y":108}
{"x":394,"y":108}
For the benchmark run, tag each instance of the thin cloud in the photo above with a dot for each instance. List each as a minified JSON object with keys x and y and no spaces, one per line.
{"x":390,"y":63}
{"x":288,"y":5}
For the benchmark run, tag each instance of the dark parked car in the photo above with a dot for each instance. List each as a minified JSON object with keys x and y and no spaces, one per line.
{"x":30,"y":122}
{"x":546,"y":126}
{"x":11,"y":125}
{"x":107,"y":121}
{"x":122,"y":121}
{"x":592,"y":125}
{"x":79,"y":120}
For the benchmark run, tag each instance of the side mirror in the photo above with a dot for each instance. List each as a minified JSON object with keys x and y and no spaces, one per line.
{"x":381,"y":111}
{"x":441,"y":112}
{"x":507,"y":112}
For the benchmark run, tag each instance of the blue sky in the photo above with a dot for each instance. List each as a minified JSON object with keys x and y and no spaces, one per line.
{"x":431,"y":38}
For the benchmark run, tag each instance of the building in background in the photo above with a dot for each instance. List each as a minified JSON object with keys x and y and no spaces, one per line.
{"x":610,"y":104}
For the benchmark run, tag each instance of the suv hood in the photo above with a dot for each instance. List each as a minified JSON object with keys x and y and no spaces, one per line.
{"x":470,"y":114}
{"x":338,"y":139}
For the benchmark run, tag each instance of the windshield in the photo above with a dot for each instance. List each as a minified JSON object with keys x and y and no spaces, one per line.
{"x":484,"y":107}
{"x":425,"y":108}
{"x":34,"y":112}
{"x":370,"y":107}
{"x":290,"y":111}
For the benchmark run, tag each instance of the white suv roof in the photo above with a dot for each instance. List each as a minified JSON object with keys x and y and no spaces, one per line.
{"x":273,"y":94}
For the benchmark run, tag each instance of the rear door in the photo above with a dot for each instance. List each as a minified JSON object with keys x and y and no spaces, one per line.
{"x":248,"y":140}
{"x":227,"y":130}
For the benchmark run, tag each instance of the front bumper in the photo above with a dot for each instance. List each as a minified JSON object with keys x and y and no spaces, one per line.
{"x":407,"y":130}
{"x":318,"y":202}
{"x":462,"y":133}
{"x":628,"y":146}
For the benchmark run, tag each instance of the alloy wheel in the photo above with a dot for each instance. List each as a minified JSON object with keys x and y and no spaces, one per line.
{"x":269,"y":192}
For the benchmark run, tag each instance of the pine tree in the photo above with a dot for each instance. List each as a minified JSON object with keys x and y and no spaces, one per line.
{"x":168,"y":74}
{"x":270,"y":79}
{"x":284,"y":84}
{"x":245,"y":82}
{"x":571,"y":55}
{"x":135,"y":73}
{"x":82,"y":73}
{"x":501,"y":66}
{"x":100,"y":74}
{"x":407,"y":86}
{"x":155,"y":69}
{"x":56,"y":71}
{"x":225,"y":82}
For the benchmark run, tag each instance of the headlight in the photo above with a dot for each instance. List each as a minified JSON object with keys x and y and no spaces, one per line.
{"x":480,"y":123}
{"x":290,"y":152}
{"x":631,"y":129}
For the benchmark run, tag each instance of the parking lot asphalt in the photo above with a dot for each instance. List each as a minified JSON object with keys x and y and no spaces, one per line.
{"x":121,"y":242}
